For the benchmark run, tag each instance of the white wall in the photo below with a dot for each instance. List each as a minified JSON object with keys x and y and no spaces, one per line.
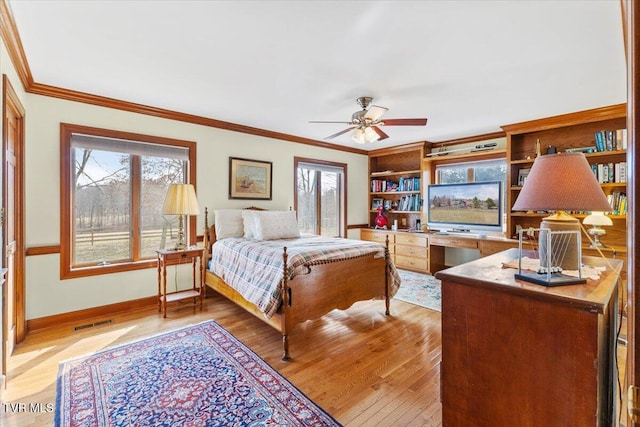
{"x":46,"y":293}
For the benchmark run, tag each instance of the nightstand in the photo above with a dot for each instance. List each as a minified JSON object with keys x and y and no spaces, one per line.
{"x":175,"y":257}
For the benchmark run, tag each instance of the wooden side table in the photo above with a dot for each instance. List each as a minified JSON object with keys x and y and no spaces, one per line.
{"x":175,"y":257}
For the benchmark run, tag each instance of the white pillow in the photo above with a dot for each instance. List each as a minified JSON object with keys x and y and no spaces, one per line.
{"x":228,"y":223}
{"x":276,"y":225}
{"x":249,"y":221}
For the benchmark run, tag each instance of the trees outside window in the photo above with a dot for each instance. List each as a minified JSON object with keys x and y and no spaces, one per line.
{"x":320,"y":197}
{"x":113,"y":189}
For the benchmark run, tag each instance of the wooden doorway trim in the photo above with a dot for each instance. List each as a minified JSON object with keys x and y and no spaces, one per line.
{"x":11,"y":105}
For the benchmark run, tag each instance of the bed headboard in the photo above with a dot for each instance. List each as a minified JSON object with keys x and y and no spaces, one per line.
{"x":210,"y":231}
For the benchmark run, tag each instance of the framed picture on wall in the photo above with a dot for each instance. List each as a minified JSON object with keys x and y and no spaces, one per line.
{"x":249,"y":179}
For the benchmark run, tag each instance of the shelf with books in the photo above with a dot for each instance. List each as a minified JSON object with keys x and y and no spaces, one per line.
{"x":571,"y":132}
{"x":395,"y":182}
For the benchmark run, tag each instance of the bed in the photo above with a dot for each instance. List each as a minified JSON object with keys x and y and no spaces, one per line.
{"x":307,"y":282}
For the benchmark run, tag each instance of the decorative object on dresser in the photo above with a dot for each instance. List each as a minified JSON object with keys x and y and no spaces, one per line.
{"x":189,"y":376}
{"x":263,"y":265}
{"x":597,"y":220}
{"x":559,"y":182}
{"x":250,"y":179}
{"x":181,"y":200}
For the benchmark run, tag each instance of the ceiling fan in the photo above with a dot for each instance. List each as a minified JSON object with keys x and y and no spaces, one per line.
{"x":365,"y":123}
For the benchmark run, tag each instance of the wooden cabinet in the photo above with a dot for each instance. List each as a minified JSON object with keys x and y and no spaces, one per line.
{"x":515,"y":353}
{"x":379,"y":236}
{"x":409,"y":251}
{"x":412,"y":251}
{"x":395,"y":182}
{"x":567,"y":132}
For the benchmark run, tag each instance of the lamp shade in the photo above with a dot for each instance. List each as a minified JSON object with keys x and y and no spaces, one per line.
{"x":597,"y":218}
{"x":181,"y":200}
{"x":561,"y":182}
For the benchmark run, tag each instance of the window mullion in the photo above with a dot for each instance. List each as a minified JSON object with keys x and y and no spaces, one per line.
{"x":319,"y":202}
{"x":136,"y":191}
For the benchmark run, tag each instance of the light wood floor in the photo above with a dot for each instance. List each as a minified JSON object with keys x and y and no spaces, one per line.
{"x":361,"y":366}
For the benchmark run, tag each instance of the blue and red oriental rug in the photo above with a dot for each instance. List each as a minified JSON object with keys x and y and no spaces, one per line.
{"x":195,"y":376}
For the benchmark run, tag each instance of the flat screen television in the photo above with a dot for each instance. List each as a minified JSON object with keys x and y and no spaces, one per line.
{"x":465,"y":207}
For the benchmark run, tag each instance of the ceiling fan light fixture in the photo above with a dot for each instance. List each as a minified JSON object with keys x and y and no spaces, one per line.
{"x":362,"y":135}
{"x":358,"y":136}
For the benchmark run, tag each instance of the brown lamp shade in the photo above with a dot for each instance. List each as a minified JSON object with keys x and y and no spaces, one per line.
{"x":562,"y":181}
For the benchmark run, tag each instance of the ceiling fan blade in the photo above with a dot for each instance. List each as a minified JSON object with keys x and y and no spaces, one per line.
{"x":375,"y":112}
{"x":339,"y":133}
{"x":380,"y":133}
{"x":404,"y":122}
{"x":322,"y":121}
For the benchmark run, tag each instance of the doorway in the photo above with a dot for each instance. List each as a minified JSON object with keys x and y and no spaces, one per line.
{"x":12,"y":222}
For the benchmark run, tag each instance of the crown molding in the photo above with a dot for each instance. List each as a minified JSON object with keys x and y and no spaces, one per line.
{"x":102,"y":101}
{"x":11,"y":39}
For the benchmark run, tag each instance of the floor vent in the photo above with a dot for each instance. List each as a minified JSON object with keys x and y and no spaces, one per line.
{"x":91,"y":325}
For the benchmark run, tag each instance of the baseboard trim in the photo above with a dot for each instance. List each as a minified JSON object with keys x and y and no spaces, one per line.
{"x":82,"y":316}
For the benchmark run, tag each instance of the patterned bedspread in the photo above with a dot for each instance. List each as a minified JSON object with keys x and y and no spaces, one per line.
{"x":255,"y":268}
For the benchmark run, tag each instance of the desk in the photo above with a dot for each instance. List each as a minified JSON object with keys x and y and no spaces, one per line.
{"x":175,"y":257}
{"x":486,"y":245}
{"x":516,"y":353}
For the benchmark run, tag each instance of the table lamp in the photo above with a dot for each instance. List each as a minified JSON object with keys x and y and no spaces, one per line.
{"x":181,"y":200}
{"x":597,"y":220}
{"x":560,"y":182}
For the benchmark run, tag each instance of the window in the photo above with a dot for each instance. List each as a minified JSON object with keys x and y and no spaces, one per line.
{"x":320,"y":197}
{"x":488,"y":170}
{"x":113,"y":189}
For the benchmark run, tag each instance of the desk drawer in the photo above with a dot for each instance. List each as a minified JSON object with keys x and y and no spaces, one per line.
{"x":412,"y":251}
{"x":376,"y":236}
{"x":411,"y":239}
{"x":411,"y":263}
{"x":454,"y":242}
{"x":489,"y":247}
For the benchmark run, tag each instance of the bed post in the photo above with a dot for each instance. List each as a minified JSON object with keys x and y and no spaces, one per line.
{"x":285,"y":308}
{"x":386,"y":276}
{"x":206,"y":238}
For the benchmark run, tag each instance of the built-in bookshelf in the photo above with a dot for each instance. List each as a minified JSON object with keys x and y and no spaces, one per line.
{"x":600,"y":134}
{"x":395,"y":183}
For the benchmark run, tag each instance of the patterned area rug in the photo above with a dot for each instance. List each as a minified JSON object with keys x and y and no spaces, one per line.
{"x":195,"y":376}
{"x":419,"y":289}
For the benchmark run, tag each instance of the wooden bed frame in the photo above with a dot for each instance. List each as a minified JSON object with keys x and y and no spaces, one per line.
{"x":351,"y":280}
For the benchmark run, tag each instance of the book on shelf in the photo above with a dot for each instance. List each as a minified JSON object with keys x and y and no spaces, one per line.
{"x":618,"y":202}
{"x":403,"y":184}
{"x":608,"y":173}
{"x":611,"y":140}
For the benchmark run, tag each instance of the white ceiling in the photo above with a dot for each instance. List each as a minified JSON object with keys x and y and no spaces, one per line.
{"x":469,"y":66}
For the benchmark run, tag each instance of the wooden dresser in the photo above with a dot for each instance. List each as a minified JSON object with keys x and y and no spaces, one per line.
{"x":516,"y":353}
{"x":409,"y":251}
